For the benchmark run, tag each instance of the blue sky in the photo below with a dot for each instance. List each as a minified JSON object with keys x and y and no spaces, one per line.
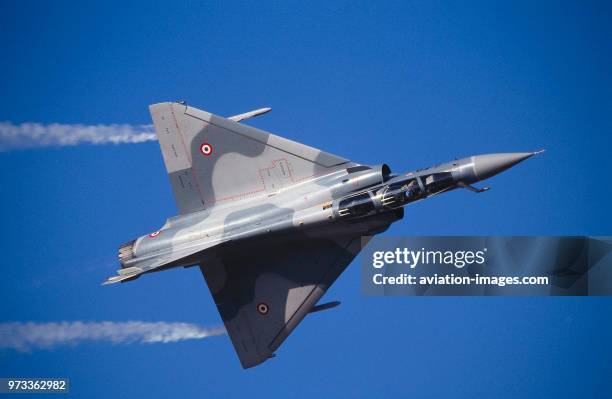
{"x":409,"y":84}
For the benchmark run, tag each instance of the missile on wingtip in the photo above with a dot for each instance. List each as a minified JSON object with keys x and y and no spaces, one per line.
{"x":125,"y":275}
{"x":324,"y":306}
{"x":250,"y":114}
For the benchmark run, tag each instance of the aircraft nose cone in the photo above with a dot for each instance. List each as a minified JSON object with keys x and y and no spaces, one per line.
{"x":489,"y":165}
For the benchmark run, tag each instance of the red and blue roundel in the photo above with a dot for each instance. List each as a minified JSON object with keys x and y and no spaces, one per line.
{"x":206,"y":149}
{"x":262,"y":308}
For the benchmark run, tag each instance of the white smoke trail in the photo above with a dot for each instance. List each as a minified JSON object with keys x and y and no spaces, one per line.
{"x":30,"y":135}
{"x":25,"y":337}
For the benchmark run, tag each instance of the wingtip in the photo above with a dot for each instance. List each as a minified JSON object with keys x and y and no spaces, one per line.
{"x":539,"y":151}
{"x":110,"y":280}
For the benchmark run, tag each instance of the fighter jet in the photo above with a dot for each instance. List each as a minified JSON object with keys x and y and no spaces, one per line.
{"x":272,"y":223}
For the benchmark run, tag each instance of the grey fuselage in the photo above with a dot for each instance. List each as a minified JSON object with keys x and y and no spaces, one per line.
{"x":353,"y":199}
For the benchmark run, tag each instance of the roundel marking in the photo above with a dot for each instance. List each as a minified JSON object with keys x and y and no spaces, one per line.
{"x":155,"y":234}
{"x":206,"y":149}
{"x":262,"y":308}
